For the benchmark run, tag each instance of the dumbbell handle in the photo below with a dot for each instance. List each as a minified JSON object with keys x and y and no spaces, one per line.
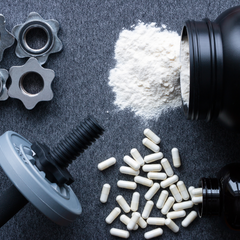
{"x":11,"y":201}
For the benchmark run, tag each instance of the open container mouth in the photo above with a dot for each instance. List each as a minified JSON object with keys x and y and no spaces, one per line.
{"x":201,"y":74}
{"x":211,"y":205}
{"x":185,"y":71}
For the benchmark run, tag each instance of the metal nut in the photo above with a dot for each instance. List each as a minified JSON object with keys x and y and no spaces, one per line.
{"x":6,"y":38}
{"x":50,"y":27}
{"x":3,"y":79}
{"x":16,"y":89}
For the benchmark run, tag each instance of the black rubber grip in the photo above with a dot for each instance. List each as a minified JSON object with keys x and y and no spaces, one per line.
{"x":11,"y":201}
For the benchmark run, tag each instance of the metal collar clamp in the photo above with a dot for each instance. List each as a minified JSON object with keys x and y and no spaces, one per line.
{"x":50,"y":27}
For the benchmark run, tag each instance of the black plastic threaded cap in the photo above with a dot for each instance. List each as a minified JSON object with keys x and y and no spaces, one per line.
{"x":76,"y":142}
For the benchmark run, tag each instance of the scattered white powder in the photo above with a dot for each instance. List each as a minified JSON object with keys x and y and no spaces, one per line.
{"x":146,"y":76}
{"x":185,"y":71}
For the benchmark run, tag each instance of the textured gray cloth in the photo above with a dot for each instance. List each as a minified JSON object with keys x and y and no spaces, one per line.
{"x":89,"y":30}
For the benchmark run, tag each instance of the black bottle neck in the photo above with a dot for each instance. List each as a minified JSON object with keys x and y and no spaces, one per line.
{"x":211,"y":204}
{"x":206,"y":69}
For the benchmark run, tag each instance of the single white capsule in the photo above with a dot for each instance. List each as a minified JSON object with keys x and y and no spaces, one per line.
{"x":176,"y":158}
{"x":162,"y":199}
{"x":152,"y":168}
{"x":153,"y":233}
{"x":133,"y":221}
{"x":135,"y":201}
{"x":113,"y":215}
{"x":149,"y":144}
{"x":156,"y":221}
{"x":147,"y":209}
{"x":106,"y":164}
{"x":119,"y":233}
{"x":128,"y":171}
{"x":105,"y":192}
{"x":152,"y":136}
{"x":157,"y":176}
{"x":171,"y":225}
{"x":183,"y":190}
{"x":144,"y":181}
{"x":126,"y":184}
{"x":182,"y":205}
{"x":176,"y":214}
{"x":142,"y":223}
{"x":167,"y":206}
{"x":169,"y":181}
{"x":125,"y":219}
{"x":131,"y":162}
{"x":152,"y":191}
{"x":123,"y":204}
{"x":137,"y":156}
{"x":197,"y":192}
{"x":167,"y":167}
{"x":153,"y":157}
{"x":176,"y":194}
{"x":197,"y":200}
{"x":189,"y":218}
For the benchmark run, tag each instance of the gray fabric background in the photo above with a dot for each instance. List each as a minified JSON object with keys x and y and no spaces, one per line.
{"x":89,"y":30}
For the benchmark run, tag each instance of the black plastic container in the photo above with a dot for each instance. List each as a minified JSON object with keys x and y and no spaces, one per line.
{"x":214,"y":49}
{"x":221,"y":195}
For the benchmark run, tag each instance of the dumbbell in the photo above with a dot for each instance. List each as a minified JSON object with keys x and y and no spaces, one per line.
{"x":39,"y":174}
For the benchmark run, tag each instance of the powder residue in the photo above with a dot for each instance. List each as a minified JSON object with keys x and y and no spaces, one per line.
{"x":185,"y":71}
{"x":146,"y":75}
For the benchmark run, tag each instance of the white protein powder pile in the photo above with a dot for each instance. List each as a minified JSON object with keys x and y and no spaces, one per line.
{"x":185,"y":71}
{"x":146,"y":76}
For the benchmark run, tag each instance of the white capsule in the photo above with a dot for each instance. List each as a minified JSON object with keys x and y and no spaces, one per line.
{"x":189,"y":218}
{"x":197,"y":200}
{"x":169,"y":181}
{"x":128,"y":171}
{"x":152,"y":191}
{"x":147,"y":209}
{"x":123,"y":204}
{"x":137,"y":156}
{"x":142,"y":223}
{"x":133,"y":221}
{"x":149,"y":144}
{"x":157,"y":176}
{"x":125,"y":219}
{"x":162,"y":199}
{"x":113,"y":215}
{"x":153,"y":157}
{"x":131,"y":162}
{"x":106,"y":164}
{"x":135,"y":201}
{"x":176,"y":214}
{"x":197,"y":192}
{"x":153,"y":233}
{"x":126,"y":184}
{"x":156,"y":221}
{"x":182,"y":205}
{"x":171,"y":225}
{"x":183,"y":190}
{"x":167,"y":206}
{"x":176,"y":194}
{"x":152,"y":136}
{"x":144,"y":181}
{"x":152,"y":168}
{"x":190,"y":192}
{"x":119,"y":233}
{"x":176,"y":158}
{"x":105,"y":192}
{"x":167,"y":167}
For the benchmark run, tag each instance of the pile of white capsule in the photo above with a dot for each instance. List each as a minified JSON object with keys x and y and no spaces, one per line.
{"x":179,"y":200}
